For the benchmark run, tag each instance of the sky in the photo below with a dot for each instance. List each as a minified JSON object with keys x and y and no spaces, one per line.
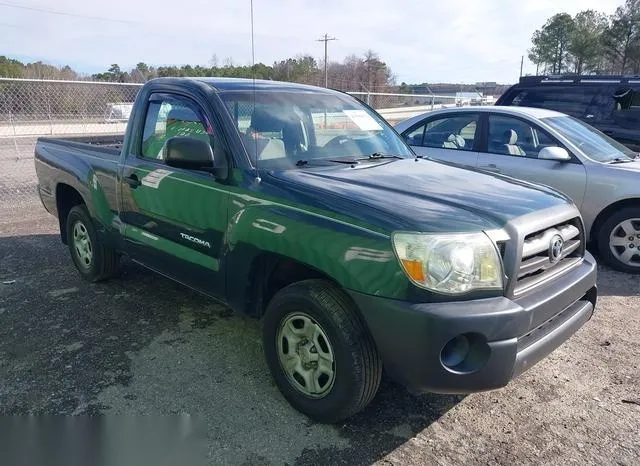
{"x":421,"y":40}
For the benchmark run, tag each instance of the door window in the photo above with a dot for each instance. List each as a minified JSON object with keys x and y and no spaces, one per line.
{"x":414,"y":137}
{"x":167,"y":118}
{"x":511,"y":136}
{"x":575,"y":101}
{"x":455,"y":132}
{"x":627,"y":108}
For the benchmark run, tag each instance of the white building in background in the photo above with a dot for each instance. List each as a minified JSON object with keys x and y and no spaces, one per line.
{"x":464,"y":99}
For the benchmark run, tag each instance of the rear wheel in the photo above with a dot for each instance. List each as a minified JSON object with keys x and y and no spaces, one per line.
{"x":319,"y":351}
{"x":619,"y":240}
{"x":94,"y":260}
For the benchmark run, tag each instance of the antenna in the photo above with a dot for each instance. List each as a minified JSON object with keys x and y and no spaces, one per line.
{"x":253,"y":76}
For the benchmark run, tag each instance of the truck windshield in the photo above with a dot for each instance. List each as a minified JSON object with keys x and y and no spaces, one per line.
{"x":289,"y":127}
{"x":593,"y":143}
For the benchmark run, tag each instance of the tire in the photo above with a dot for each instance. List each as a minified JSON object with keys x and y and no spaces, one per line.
{"x":94,"y":260}
{"x":623,"y":228}
{"x":356,"y":365}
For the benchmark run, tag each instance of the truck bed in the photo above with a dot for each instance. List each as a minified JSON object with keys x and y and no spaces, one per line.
{"x":109,"y":145}
{"x":79,"y":162}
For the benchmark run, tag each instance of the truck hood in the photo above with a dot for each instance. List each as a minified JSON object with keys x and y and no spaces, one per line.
{"x":420,"y":195}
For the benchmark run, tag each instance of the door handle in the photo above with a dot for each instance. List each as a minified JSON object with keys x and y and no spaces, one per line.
{"x":132,"y":180}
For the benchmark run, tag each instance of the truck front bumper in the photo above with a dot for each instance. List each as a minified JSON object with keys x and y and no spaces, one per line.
{"x":470,"y":346}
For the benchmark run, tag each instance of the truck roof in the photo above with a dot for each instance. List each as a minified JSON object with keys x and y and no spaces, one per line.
{"x":245,"y":84}
{"x":579,"y":79}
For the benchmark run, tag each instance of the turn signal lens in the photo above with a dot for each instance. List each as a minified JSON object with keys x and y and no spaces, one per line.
{"x":414,"y":268}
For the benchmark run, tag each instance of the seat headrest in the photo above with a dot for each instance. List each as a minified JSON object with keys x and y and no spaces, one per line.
{"x":184,"y":122}
{"x":182,"y":114}
{"x":266,"y":120}
{"x":456,"y":139}
{"x":510,"y":137}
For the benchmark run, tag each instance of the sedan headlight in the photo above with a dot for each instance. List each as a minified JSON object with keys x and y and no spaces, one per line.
{"x":450,"y":263}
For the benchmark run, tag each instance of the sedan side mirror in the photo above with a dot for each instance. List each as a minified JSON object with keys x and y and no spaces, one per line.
{"x":188,"y":153}
{"x":554,"y":153}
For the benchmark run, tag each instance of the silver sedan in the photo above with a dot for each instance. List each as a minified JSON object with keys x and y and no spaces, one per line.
{"x":600,"y":175}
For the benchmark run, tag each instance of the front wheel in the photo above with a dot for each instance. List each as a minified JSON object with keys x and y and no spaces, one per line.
{"x":319,"y":351}
{"x":619,"y":240}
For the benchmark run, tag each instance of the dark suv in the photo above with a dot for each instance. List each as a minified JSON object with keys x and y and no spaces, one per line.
{"x":609,"y":103}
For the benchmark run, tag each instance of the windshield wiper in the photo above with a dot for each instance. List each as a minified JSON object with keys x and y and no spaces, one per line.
{"x":302,"y":163}
{"x":619,"y":160}
{"x":380,"y":155}
{"x":349,"y":160}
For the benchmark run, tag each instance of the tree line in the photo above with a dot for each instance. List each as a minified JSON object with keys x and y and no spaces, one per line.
{"x":589,"y":42}
{"x":355,"y":73}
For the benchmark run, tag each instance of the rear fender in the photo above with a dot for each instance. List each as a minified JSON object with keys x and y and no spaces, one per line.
{"x":93,"y":179}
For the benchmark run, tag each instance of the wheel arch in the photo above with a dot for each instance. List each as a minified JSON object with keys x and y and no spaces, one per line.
{"x":269,"y":273}
{"x":67,"y":197}
{"x":607,"y":212}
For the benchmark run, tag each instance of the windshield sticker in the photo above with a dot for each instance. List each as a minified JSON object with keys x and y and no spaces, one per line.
{"x":153,"y":179}
{"x":364,"y":121}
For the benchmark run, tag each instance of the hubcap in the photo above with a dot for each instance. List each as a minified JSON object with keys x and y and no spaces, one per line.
{"x":624,"y":242}
{"x":82,"y":244}
{"x":306,"y":355}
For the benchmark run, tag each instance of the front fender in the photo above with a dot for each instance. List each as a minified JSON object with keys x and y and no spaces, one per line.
{"x":356,"y":258}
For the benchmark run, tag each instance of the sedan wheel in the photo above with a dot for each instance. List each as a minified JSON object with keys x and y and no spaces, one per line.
{"x":624,"y":242}
{"x":618,"y":240}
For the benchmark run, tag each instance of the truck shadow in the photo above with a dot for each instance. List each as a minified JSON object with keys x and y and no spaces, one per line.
{"x":394,"y":417}
{"x":80,"y":348}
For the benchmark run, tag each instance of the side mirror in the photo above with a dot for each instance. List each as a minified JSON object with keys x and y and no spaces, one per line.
{"x":188,"y":153}
{"x":559,"y":154}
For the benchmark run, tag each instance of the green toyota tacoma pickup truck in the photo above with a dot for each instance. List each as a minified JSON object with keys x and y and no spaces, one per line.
{"x":302,"y":206}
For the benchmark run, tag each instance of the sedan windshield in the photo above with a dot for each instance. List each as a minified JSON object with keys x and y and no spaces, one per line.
{"x":300,"y":128}
{"x":593,"y":143}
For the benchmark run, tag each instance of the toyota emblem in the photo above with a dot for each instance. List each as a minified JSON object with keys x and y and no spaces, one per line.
{"x":555,"y":248}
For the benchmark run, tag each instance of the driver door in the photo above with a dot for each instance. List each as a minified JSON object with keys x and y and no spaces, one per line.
{"x":512,"y":149}
{"x":174,"y":218}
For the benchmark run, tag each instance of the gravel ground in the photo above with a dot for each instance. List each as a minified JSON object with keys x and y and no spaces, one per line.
{"x":141,"y":344}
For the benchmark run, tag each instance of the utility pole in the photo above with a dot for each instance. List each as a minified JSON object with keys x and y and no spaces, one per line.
{"x":521,"y":64}
{"x":325,"y":39}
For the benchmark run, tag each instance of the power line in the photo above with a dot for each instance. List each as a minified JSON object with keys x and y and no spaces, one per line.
{"x":325,"y":39}
{"x":65,"y":13}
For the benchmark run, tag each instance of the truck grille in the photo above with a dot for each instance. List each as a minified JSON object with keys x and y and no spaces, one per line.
{"x":549,"y":252}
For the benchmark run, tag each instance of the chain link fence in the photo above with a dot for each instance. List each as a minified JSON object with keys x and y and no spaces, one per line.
{"x":397,"y":107}
{"x":32,"y":108}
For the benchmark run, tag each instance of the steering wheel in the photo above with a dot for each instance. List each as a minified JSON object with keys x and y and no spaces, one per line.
{"x":340,"y":143}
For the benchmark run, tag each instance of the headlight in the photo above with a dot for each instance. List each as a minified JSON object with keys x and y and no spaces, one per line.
{"x":450,"y":263}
